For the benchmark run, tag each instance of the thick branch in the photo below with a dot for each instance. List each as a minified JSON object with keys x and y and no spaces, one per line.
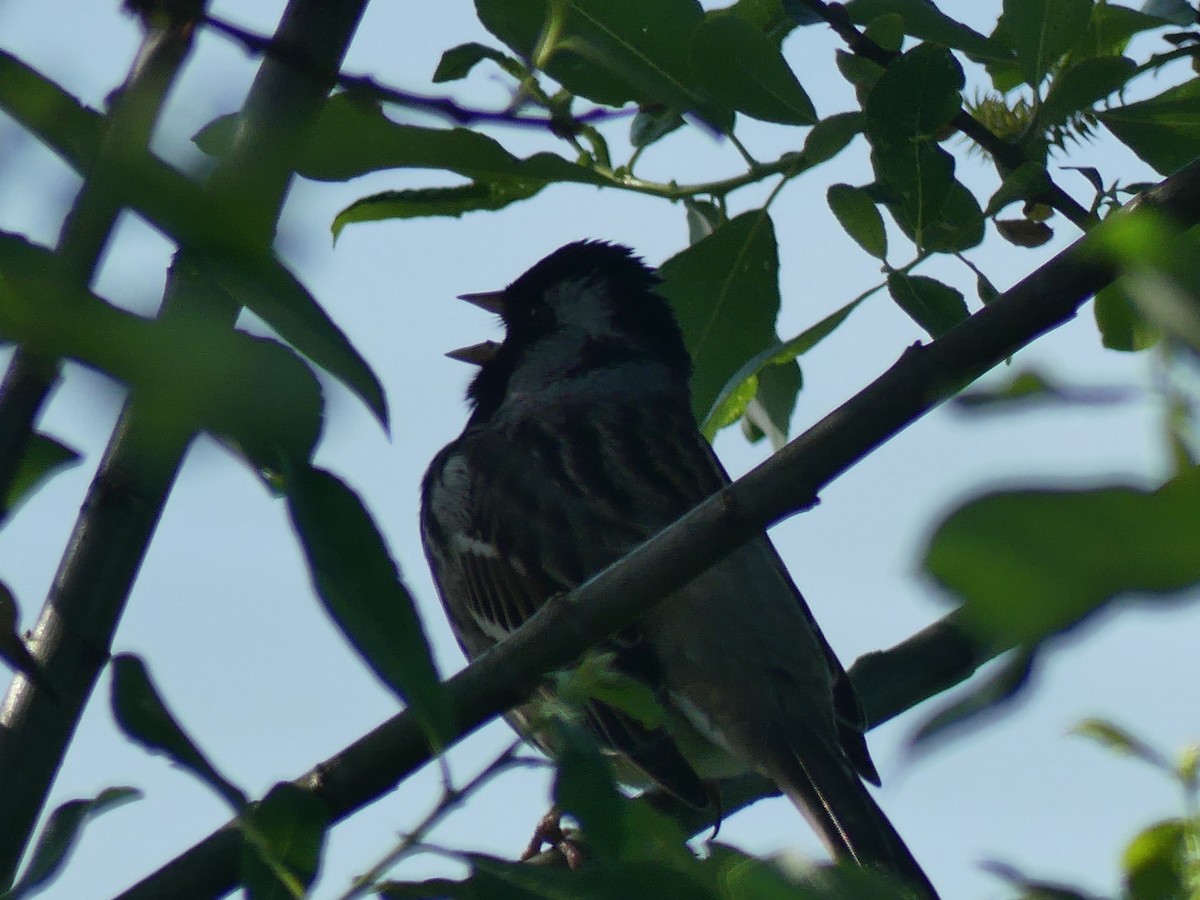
{"x":784,"y":484}
{"x":73,"y":635}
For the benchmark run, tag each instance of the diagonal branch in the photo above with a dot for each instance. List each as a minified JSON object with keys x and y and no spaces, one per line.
{"x":789,"y":481}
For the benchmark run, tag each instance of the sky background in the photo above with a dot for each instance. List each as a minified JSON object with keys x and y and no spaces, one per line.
{"x":222,"y":611}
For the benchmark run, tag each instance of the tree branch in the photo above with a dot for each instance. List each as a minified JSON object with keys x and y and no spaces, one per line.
{"x":787,"y":482}
{"x":73,"y":635}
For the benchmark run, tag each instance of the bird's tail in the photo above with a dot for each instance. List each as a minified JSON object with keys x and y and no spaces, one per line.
{"x":851,"y":825}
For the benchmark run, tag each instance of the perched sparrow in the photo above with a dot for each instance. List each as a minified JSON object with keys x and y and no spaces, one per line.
{"x":581,"y":445}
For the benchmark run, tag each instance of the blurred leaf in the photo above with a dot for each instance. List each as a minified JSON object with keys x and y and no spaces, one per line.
{"x":285,"y":838}
{"x":60,"y":834}
{"x":1003,"y":684}
{"x":355,"y":577}
{"x":277,"y":297}
{"x":1187,"y":769}
{"x":584,"y":788}
{"x":907,"y":109}
{"x":449,"y":201}
{"x":457,"y":62}
{"x":187,"y":368}
{"x":1155,"y":862}
{"x":1026,"y":181}
{"x":649,"y":126}
{"x":857,"y":213}
{"x":1122,"y":326}
{"x":610,"y":51}
{"x":739,"y":66}
{"x":863,"y":73}
{"x":12,"y":647}
{"x":1083,"y":85}
{"x":831,"y":135}
{"x":1041,"y":31}
{"x":1024,"y":389}
{"x":1117,"y":739}
{"x":1164,"y":130}
{"x":43,"y":457}
{"x":742,"y":386}
{"x":31,"y":98}
{"x":1160,"y":272}
{"x":1028,"y":564}
{"x":725,"y":291}
{"x":703,"y":218}
{"x":927,"y":23}
{"x":143,"y":716}
{"x":497,"y":879}
{"x":934,"y":306}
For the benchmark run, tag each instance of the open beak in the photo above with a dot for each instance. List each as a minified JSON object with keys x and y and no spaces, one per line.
{"x":477,"y":354}
{"x":492,"y":301}
{"x":480,"y":354}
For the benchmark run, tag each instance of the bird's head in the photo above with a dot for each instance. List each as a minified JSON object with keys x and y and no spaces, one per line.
{"x":587,"y":318}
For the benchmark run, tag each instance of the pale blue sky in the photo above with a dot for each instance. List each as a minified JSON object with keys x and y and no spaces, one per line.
{"x":222,"y":611}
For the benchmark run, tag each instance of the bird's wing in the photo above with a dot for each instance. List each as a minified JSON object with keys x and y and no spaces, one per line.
{"x":496,"y":561}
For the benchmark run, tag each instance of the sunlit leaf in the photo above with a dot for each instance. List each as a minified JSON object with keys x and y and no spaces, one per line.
{"x":1155,"y":862}
{"x":1119,"y":740}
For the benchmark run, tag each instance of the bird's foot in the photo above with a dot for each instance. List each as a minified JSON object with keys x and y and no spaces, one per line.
{"x":550,"y":831}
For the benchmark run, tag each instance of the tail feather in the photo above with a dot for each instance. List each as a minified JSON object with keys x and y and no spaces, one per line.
{"x":851,"y":825}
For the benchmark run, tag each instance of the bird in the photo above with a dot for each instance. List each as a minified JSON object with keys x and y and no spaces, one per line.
{"x":580,"y":445}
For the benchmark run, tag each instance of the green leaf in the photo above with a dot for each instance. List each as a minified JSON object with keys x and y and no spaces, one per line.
{"x":769,"y":413}
{"x":1028,"y":388}
{"x":1164,"y":130}
{"x":1110,"y":29}
{"x":1083,"y":85}
{"x":1156,"y":861}
{"x":450,"y":201}
{"x":739,"y":66}
{"x":285,"y":836}
{"x":143,"y":716}
{"x":60,"y":834}
{"x":1041,"y":31}
{"x":12,"y":647}
{"x":43,"y":457}
{"x":457,"y":62}
{"x":725,"y":291}
{"x":584,"y":788}
{"x":830,"y":136}
{"x":934,"y":306}
{"x":741,"y":388}
{"x":1002,"y":685}
{"x":357,"y":580}
{"x":703,"y":218}
{"x":1122,"y":325}
{"x":1028,"y":564}
{"x":927,"y":23}
{"x":610,"y":51}
{"x":906,"y":112}
{"x":649,"y":126}
{"x":597,"y":679}
{"x":1117,"y":739}
{"x":859,"y":216}
{"x":33,"y":100}
{"x":1027,"y":180}
{"x":277,"y":297}
{"x":188,"y":369}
